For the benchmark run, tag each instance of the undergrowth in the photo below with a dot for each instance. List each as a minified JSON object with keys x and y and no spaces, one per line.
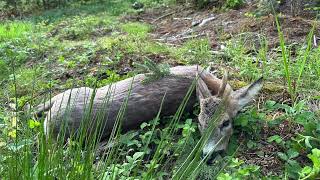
{"x":92,"y":46}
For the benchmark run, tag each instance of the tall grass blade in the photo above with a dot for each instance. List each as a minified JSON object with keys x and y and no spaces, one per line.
{"x":285,"y":59}
{"x":193,"y":161}
{"x":306,"y":54}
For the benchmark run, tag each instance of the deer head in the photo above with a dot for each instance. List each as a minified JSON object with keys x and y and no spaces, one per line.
{"x":213,"y":92}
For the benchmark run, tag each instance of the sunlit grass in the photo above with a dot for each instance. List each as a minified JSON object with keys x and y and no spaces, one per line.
{"x":136,"y":29}
{"x":15,"y":29}
{"x":26,"y":152}
{"x":194,"y":51}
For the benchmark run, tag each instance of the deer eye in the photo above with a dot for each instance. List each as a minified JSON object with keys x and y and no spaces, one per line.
{"x":226,"y":123}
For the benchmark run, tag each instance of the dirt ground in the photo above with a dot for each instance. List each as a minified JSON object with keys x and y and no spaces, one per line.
{"x":177,"y":24}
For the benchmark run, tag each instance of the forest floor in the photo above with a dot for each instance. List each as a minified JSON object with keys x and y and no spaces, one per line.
{"x":176,"y":25}
{"x":63,"y":48}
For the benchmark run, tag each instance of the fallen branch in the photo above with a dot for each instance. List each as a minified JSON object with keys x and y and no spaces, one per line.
{"x":203,"y":22}
{"x":186,"y":18}
{"x":187,"y":37}
{"x":163,"y":16}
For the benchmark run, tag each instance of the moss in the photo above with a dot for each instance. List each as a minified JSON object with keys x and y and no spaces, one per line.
{"x":237,"y":84}
{"x":271,"y":88}
{"x":268,"y":87}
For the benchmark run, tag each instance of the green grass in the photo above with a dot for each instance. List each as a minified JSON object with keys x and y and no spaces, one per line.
{"x":84,"y":27}
{"x":113,"y":8}
{"x":136,"y":29}
{"x":13,"y":30}
{"x":194,"y":52}
{"x":90,"y":46}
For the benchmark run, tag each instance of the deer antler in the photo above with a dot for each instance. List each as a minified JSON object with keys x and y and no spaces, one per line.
{"x":216,"y":86}
{"x":223,"y":84}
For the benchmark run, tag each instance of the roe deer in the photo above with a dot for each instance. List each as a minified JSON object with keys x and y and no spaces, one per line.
{"x":233,"y":102}
{"x":144,"y":101}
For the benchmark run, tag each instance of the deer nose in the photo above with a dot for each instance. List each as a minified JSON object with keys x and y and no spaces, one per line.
{"x":210,"y":159}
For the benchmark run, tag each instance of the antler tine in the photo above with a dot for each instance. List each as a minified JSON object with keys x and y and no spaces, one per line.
{"x":223,"y":84}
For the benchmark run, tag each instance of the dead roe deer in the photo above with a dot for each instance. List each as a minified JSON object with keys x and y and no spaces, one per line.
{"x":144,"y":101}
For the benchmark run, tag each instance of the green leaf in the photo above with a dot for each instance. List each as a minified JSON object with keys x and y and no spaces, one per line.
{"x":270,"y":104}
{"x":307,"y":142}
{"x":224,"y":176}
{"x":292,"y":153}
{"x":251,"y":144}
{"x":32,"y":123}
{"x":293,"y":167}
{"x":17,"y":146}
{"x":305,"y":171}
{"x":143,"y":125}
{"x":283,"y":156}
{"x":2,"y":126}
{"x":242,"y":120}
{"x":318,"y":127}
{"x":137,"y":155}
{"x":315,"y":158}
{"x":275,"y":138}
{"x":129,"y":159}
{"x":300,"y":106}
{"x":235,"y":162}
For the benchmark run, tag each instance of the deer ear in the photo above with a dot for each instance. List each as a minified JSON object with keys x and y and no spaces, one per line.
{"x":202,"y":90}
{"x":244,"y":95}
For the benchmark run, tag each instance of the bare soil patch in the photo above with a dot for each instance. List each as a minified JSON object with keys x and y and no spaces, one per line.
{"x":175,"y":25}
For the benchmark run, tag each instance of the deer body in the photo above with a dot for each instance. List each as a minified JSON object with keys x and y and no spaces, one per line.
{"x":143,"y":103}
{"x":72,"y":106}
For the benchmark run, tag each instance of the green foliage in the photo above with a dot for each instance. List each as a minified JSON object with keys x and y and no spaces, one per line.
{"x":139,"y":146}
{"x":13,"y":30}
{"x":3,"y":69}
{"x":113,"y":77}
{"x":136,"y":29}
{"x":26,"y":81}
{"x":88,"y":45}
{"x":314,"y":171}
{"x":196,"y":51}
{"x":237,"y":53}
{"x":234,"y":4}
{"x":238,"y":170}
{"x":154,"y":71}
{"x":291,"y":165}
{"x":32,"y":5}
{"x":250,"y":121}
{"x":275,"y":138}
{"x":266,"y":7}
{"x":83,"y":27}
